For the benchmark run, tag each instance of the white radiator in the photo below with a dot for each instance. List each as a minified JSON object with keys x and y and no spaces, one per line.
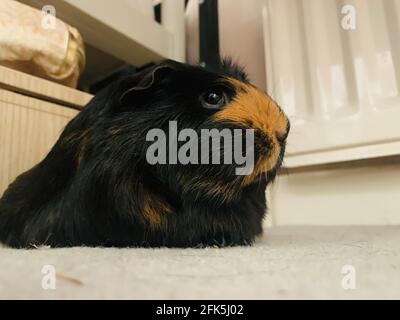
{"x":334,"y":66}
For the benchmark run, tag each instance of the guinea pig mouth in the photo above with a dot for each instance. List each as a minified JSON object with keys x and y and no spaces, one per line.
{"x":269,"y":155}
{"x":266,"y":149}
{"x":262,"y":144}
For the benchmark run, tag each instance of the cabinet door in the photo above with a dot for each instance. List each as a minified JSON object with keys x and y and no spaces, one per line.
{"x":29,"y":127}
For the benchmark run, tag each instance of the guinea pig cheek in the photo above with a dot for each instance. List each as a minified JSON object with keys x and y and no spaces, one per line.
{"x":254,"y":109}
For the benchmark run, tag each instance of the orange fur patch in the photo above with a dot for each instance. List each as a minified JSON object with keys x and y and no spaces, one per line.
{"x":214,"y":189}
{"x":154,"y":208}
{"x":254,"y":109}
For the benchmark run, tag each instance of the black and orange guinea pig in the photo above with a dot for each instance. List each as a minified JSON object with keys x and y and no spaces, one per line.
{"x":96,"y":188}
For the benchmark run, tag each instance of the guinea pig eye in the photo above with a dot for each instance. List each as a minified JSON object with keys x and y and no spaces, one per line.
{"x":214,"y":99}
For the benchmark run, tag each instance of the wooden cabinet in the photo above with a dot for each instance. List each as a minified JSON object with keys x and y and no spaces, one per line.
{"x":33,"y":113}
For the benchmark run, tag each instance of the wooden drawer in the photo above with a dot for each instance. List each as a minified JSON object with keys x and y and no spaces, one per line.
{"x":33,"y":113}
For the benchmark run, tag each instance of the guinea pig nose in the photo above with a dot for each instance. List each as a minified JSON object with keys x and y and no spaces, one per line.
{"x":281,"y":137}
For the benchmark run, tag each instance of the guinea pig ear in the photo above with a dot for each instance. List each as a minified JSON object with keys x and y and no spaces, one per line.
{"x":146,"y":81}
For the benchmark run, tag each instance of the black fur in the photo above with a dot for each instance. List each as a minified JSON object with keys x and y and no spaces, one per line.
{"x":89,"y":189}
{"x":232,"y":69}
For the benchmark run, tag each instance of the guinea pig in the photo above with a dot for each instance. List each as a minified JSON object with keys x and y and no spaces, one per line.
{"x":96,"y":186}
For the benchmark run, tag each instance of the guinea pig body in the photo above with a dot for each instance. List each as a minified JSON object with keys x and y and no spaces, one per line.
{"x":97,"y":188}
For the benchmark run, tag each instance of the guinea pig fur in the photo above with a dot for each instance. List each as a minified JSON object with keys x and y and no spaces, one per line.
{"x":95,"y":187}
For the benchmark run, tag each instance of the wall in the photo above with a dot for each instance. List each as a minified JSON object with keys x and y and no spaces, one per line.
{"x":353,"y":193}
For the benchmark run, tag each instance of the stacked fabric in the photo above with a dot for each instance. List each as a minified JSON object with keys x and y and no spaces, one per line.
{"x":38,"y":43}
